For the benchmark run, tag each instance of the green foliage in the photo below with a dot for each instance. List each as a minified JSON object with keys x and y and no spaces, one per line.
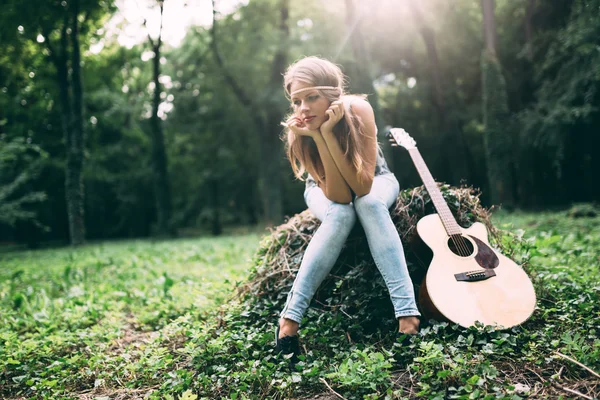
{"x":213,"y":152}
{"x":98,"y":319}
{"x":20,"y":162}
{"x":94,"y":316}
{"x":364,"y":369}
{"x":446,"y":361}
{"x":569,"y":81}
{"x":211,"y":137}
{"x":559,"y":129}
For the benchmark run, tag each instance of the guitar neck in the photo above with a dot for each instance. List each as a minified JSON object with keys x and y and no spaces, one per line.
{"x":450,"y":224}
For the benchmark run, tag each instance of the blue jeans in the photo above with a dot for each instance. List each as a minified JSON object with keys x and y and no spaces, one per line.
{"x":337,"y":221}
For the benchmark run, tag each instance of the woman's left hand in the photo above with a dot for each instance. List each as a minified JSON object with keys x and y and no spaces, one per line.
{"x":335,"y":113}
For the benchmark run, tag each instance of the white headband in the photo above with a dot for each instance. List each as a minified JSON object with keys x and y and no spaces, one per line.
{"x":313,"y":88}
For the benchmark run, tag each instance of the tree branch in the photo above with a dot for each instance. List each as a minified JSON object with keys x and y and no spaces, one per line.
{"x":149,"y":37}
{"x":578,"y":363}
{"x":162,"y":7}
{"x":146,"y":26}
{"x":332,"y":391}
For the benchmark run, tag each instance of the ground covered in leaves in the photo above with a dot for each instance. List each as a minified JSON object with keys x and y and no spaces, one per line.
{"x":142,"y":319}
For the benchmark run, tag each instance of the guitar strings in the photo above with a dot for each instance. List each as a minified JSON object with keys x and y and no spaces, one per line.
{"x":460,"y":245}
{"x":456,"y":245}
{"x":463,"y":245}
{"x":458,"y":240}
{"x":463,"y":242}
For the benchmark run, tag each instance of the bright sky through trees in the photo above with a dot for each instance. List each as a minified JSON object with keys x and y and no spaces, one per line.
{"x":128,"y":23}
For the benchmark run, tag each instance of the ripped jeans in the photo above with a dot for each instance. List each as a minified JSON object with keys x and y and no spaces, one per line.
{"x":337,"y":221}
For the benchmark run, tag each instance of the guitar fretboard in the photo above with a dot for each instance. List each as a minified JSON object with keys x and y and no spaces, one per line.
{"x":450,"y":224}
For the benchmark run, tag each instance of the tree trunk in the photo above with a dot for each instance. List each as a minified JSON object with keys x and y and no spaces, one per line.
{"x":59,"y":57}
{"x":251,"y":212}
{"x":162,"y":187}
{"x":75,"y":134}
{"x":270,"y":144}
{"x":434,"y":63}
{"x":489,"y":26}
{"x":270,"y":148}
{"x":454,"y":162}
{"x":216,"y":226}
{"x":529,"y":28}
{"x":270,"y":167}
{"x":498,"y":135}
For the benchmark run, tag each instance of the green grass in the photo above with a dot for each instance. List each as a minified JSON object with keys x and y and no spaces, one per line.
{"x":126,"y":319}
{"x":95,"y":315}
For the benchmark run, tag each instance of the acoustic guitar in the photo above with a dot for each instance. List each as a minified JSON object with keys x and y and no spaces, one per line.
{"x":467,"y":280}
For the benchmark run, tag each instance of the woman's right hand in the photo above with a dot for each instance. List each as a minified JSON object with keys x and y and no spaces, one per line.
{"x":298,"y":127}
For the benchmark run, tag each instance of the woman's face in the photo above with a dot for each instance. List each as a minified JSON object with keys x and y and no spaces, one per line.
{"x":309,"y":105}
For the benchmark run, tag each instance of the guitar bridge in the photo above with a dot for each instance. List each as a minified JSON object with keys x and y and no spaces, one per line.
{"x":474,"y":276}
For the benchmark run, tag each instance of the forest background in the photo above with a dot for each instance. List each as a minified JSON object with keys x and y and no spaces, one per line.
{"x":103,"y":139}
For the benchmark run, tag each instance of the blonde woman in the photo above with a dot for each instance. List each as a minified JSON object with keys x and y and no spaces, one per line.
{"x":332,"y":136}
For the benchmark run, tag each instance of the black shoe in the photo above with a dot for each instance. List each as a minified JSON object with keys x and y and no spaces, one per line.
{"x":288,"y":345}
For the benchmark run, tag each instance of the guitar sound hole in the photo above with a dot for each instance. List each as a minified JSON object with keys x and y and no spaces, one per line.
{"x":460,"y":246}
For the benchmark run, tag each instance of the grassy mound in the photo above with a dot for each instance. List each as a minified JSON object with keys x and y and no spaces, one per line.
{"x":346,"y":331}
{"x":354,"y":289}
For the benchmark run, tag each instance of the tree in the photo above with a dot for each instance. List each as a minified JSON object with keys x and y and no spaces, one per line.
{"x":65,"y":57}
{"x":20,"y":163}
{"x":120,"y":199}
{"x":266,"y":115}
{"x":61,"y":24}
{"x":454,"y":159}
{"x":498,"y":135}
{"x":560,"y":128}
{"x":160,"y":177}
{"x":362,"y":70}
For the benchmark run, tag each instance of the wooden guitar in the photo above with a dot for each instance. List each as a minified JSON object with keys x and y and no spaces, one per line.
{"x":467,"y":280}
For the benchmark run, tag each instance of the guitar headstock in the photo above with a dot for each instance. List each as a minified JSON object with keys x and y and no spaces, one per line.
{"x":399,"y":137}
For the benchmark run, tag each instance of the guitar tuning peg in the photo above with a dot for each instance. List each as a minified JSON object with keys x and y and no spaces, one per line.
{"x":394,"y":145}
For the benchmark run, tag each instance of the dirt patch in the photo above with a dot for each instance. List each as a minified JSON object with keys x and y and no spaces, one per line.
{"x":115,"y":394}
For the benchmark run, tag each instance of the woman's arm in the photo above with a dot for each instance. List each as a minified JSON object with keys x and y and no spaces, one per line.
{"x":361,"y":187}
{"x":335,"y":187}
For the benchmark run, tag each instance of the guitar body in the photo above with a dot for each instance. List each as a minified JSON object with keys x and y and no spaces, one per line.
{"x":467,"y":280}
{"x":505,"y":299}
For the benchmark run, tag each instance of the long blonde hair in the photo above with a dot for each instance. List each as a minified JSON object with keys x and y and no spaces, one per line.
{"x":302,"y":150}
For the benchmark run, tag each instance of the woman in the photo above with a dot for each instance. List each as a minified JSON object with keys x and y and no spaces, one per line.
{"x":333,"y":136}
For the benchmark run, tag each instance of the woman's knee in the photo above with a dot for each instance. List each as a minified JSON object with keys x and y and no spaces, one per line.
{"x":369,"y":204}
{"x":342,"y":214}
